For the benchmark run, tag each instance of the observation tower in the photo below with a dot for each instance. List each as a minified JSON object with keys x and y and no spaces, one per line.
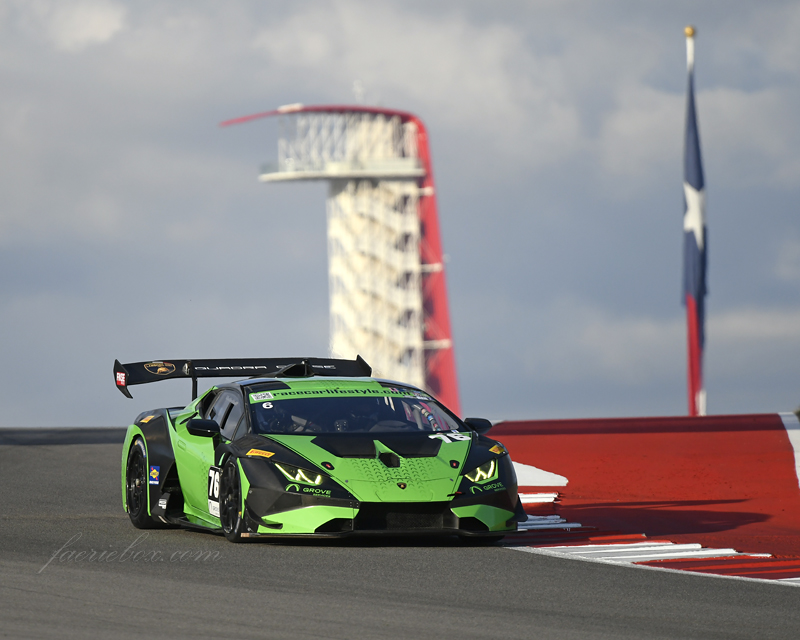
{"x":388,"y":295}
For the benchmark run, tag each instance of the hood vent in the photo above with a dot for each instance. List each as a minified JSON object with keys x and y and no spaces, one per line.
{"x":391,"y":460}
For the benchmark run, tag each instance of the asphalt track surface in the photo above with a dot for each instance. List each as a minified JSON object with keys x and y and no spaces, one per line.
{"x":59,"y":501}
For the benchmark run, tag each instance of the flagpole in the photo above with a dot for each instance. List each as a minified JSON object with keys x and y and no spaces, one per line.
{"x":694,"y":252}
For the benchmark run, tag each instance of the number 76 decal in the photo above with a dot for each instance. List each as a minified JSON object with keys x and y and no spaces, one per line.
{"x":450,"y":437}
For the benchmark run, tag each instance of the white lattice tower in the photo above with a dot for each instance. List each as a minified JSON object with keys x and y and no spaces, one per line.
{"x":388,"y":299}
{"x":370,"y":161}
{"x":374,"y":270}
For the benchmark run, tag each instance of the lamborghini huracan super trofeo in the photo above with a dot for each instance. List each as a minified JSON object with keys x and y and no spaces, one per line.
{"x":311,"y":447}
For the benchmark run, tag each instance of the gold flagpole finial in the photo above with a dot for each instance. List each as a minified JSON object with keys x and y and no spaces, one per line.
{"x":689,"y":31}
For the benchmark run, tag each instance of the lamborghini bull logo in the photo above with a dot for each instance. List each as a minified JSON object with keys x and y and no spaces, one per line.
{"x":160,"y":368}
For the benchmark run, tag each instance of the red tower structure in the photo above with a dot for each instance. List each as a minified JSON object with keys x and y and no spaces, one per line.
{"x":387,"y":278}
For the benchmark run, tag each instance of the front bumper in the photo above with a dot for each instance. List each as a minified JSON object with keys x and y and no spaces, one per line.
{"x":275,"y":508}
{"x":389,"y":519}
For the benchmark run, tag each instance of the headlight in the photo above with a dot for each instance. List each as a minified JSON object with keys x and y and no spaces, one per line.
{"x":303,"y":476}
{"x":483,"y":473}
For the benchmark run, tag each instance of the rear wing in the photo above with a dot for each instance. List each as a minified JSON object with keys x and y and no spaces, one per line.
{"x":126,"y":375}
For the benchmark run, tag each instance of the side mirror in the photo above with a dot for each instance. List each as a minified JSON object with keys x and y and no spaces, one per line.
{"x":481,"y":426}
{"x":205,"y":428}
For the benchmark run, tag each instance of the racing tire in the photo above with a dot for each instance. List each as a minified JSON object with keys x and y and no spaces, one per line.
{"x":230,"y":501}
{"x":137,"y":490}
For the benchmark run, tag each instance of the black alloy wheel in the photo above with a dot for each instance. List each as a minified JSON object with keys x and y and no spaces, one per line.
{"x":136,"y":487}
{"x":230,"y":501}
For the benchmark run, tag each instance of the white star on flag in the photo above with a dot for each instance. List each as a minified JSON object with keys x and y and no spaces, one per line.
{"x":693,"y":219}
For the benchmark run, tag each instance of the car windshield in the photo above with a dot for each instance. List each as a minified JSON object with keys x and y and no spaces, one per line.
{"x":397,"y":413}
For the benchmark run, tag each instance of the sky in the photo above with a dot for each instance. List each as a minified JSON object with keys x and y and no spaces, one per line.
{"x":133,"y":227}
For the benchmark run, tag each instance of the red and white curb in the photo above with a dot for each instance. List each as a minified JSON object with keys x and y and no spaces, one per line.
{"x":551,"y":535}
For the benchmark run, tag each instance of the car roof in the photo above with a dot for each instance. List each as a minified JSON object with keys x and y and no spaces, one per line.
{"x":347,"y":381}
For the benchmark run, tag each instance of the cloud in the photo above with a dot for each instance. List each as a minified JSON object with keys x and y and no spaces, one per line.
{"x":756,"y":325}
{"x":482,"y":79}
{"x":132,"y":224}
{"x":641,"y":139}
{"x":787,"y":266}
{"x":750,"y":138}
{"x":72,"y":26}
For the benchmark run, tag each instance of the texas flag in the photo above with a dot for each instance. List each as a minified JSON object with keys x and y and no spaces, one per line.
{"x":695,"y":244}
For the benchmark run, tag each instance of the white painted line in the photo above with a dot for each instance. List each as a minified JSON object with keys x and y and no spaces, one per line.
{"x":643,"y":551}
{"x":546,"y":522}
{"x":791,"y":582}
{"x":541,"y":527}
{"x":677,"y":555}
{"x":792,"y":424}
{"x":669,"y":548}
{"x":530,"y":476}
{"x":617,"y":546}
{"x":536,"y":498}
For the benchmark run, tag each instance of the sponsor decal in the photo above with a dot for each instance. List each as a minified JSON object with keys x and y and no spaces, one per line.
{"x":474,"y":490}
{"x":293,"y":487}
{"x":154,"y":473}
{"x":332,"y":393}
{"x":497,"y":486}
{"x":242,"y":367}
{"x":325,"y":493}
{"x":146,"y":419}
{"x":498,"y":449}
{"x":120,"y":378}
{"x":259,"y":452}
{"x":260,"y":397}
{"x":160,"y":368}
{"x":402,"y":485}
{"x":162,"y":503}
{"x":213,"y":491}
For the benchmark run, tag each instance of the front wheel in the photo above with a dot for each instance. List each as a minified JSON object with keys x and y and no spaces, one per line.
{"x":230,"y":501}
{"x":136,"y":487}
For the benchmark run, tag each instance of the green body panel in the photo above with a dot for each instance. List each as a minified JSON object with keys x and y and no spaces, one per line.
{"x":304,"y":520}
{"x":369,"y":480}
{"x":194,"y":456}
{"x":244,"y":484}
{"x":201,"y":517}
{"x":492,"y":517}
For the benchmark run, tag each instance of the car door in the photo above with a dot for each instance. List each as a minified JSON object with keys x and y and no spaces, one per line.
{"x":195,"y":459}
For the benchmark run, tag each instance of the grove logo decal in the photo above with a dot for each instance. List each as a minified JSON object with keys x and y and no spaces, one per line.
{"x":293,"y":487}
{"x":497,"y":486}
{"x":160,"y":368}
{"x":474,"y":490}
{"x":317,"y":492}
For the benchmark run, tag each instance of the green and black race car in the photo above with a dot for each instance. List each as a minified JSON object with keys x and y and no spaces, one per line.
{"x":311,"y":447}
